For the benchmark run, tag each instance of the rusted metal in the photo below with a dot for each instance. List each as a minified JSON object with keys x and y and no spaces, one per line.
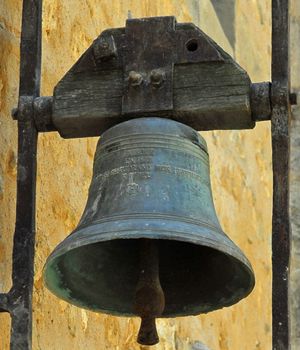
{"x":293,"y":98}
{"x":281,"y":148}
{"x":260,"y":100}
{"x":39,"y":109}
{"x":18,"y":301}
{"x":30,"y":60}
{"x":149,"y":296}
{"x":20,"y":296}
{"x":42,"y":113}
{"x":104,"y":49}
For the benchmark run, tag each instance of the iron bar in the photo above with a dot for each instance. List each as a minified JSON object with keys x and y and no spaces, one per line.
{"x":24,"y":238}
{"x":18,"y":301}
{"x":280,"y":145}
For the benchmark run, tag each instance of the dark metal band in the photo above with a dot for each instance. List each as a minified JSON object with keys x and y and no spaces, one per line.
{"x":280,"y":146}
{"x":18,"y":301}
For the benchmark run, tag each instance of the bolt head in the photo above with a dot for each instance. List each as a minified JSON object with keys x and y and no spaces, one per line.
{"x":135,"y":78}
{"x":104,"y":49}
{"x":157,"y":77}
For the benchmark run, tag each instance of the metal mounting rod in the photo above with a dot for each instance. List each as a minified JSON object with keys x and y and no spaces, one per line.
{"x":18,"y":301}
{"x":280,"y":145}
{"x":41,"y":108}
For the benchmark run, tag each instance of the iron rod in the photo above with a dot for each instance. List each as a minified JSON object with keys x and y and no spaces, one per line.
{"x":280,"y":145}
{"x":20,"y":295}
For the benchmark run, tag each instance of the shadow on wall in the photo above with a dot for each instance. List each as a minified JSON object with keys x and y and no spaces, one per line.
{"x":225,"y":10}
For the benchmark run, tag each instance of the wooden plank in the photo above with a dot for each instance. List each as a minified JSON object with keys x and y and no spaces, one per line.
{"x":206,"y":96}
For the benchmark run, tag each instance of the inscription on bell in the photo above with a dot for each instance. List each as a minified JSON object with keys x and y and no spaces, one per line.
{"x":148,"y":169}
{"x":181,"y":172}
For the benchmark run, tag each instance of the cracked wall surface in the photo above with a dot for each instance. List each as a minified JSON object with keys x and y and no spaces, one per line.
{"x":240,"y":171}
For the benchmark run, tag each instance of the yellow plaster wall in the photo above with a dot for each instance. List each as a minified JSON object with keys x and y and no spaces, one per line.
{"x":240,"y":170}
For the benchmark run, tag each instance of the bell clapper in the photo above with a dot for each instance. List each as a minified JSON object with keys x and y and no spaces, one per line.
{"x":149,"y":296}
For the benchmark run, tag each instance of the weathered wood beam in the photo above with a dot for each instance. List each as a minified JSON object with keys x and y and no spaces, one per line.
{"x":209,"y":89}
{"x":197,"y":84}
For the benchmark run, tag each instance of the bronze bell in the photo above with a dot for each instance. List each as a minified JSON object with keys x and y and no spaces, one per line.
{"x":149,"y":243}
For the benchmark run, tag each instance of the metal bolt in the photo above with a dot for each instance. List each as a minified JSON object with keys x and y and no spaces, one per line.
{"x":104,"y":48}
{"x":293,"y":98}
{"x":157,"y":77}
{"x":134,"y":78}
{"x":14,"y":113}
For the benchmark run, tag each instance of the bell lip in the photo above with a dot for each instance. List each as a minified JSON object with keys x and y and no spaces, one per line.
{"x":233,"y":252}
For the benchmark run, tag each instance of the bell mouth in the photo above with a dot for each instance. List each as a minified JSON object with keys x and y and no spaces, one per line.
{"x":100,"y":271}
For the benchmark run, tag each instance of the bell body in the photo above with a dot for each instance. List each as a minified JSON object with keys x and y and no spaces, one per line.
{"x":150,"y":180}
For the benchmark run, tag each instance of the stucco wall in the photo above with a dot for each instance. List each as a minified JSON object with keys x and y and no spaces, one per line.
{"x":240,"y":171}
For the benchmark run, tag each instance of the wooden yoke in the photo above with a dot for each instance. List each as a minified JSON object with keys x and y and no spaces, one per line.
{"x":156,"y":67}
